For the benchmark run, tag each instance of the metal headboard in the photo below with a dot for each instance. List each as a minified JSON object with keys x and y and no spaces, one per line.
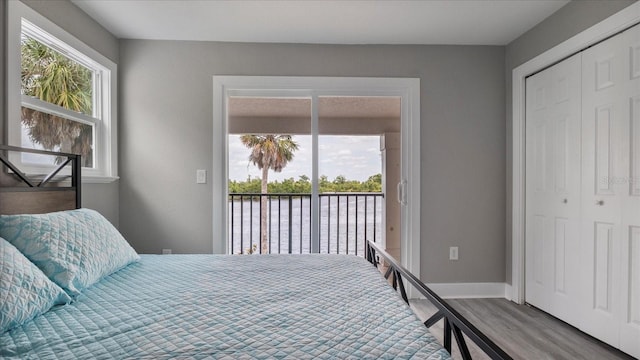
{"x":24,"y":194}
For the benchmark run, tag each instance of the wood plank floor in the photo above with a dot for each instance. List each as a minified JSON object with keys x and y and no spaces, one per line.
{"x":522,"y":331}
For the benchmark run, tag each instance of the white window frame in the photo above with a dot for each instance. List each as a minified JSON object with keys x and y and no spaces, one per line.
{"x":104,"y":117}
{"x":408,"y":89}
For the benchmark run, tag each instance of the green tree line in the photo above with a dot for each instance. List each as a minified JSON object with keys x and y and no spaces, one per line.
{"x":303,"y":185}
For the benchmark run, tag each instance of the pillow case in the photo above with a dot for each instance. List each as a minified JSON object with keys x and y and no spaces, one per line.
{"x":25,"y":291}
{"x":74,"y":248}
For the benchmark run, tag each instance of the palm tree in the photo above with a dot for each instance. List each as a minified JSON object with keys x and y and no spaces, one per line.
{"x":268,"y":152}
{"x":53,"y":78}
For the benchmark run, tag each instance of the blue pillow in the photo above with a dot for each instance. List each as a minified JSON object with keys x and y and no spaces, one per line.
{"x":25,"y":292}
{"x":75,"y":248}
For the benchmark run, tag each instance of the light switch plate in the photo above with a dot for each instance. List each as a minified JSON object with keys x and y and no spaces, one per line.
{"x":453,"y":253}
{"x":201,"y":176}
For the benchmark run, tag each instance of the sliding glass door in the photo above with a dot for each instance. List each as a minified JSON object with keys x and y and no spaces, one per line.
{"x":398,"y":223}
{"x":303,"y":180}
{"x":270,"y":175}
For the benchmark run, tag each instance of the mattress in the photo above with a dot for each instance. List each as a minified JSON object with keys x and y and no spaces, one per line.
{"x":231,"y":306}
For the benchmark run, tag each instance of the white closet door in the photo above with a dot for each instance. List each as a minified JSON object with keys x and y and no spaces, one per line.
{"x":630,"y":197}
{"x":611,"y":210}
{"x":553,"y":113}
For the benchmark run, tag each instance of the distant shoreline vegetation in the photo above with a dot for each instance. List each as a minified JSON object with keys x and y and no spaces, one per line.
{"x":303,"y":185}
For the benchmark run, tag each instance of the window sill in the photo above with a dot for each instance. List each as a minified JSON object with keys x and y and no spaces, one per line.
{"x":92,"y":179}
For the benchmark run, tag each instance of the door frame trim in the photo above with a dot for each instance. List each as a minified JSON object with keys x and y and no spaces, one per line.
{"x":408,"y":89}
{"x":623,"y":19}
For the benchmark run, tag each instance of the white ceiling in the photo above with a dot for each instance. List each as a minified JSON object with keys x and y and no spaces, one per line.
{"x":456,"y":22}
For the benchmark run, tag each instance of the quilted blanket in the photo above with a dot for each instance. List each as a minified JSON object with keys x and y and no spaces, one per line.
{"x":231,"y":307}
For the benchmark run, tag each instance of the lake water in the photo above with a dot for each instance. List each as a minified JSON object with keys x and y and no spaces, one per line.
{"x":342,"y":228}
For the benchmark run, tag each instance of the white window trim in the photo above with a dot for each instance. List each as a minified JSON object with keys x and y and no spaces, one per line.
{"x":105,"y":135}
{"x":43,"y":106}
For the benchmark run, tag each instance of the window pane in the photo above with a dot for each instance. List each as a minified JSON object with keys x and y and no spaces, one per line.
{"x":269,"y":140}
{"x":52,"y":77}
{"x":49,"y":132}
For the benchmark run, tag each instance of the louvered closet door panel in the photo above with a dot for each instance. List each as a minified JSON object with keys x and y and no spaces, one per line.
{"x":553,"y":189}
{"x":611,"y":211}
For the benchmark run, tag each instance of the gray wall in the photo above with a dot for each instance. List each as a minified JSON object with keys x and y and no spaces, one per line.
{"x":166,"y":134}
{"x":101,"y":197}
{"x":570,"y":20}
{"x":166,"y":115}
{"x":77,"y":23}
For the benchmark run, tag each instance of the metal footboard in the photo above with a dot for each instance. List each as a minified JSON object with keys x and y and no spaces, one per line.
{"x":454,"y":323}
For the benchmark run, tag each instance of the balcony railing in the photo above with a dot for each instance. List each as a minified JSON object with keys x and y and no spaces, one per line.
{"x":346,"y":220}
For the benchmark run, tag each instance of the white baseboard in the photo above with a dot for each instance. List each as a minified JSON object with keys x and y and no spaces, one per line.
{"x":471,"y":290}
{"x":508,"y":292}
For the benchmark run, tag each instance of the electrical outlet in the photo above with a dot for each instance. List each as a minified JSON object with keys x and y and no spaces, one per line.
{"x":166,"y":251}
{"x":201,"y":176}
{"x":453,"y":253}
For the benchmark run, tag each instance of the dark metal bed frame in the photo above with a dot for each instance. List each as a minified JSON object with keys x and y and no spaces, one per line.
{"x":20,"y":194}
{"x":453,"y":321}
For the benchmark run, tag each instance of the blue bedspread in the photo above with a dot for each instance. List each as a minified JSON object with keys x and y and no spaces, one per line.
{"x":231,"y":306}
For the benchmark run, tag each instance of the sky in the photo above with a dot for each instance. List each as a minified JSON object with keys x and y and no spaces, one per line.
{"x":354,"y":157}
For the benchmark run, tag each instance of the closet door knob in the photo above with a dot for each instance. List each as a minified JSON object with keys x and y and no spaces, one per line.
{"x":600,"y":202}
{"x":564,"y":201}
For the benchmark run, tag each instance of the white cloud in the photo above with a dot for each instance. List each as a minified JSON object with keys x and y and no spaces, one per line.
{"x":355,"y":157}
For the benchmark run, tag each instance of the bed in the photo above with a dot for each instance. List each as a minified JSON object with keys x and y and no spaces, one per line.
{"x":197,"y":306}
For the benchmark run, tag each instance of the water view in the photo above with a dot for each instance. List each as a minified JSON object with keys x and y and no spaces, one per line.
{"x":345,"y":222}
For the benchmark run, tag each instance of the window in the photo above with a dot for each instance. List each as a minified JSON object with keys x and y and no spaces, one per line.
{"x":61,"y":96}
